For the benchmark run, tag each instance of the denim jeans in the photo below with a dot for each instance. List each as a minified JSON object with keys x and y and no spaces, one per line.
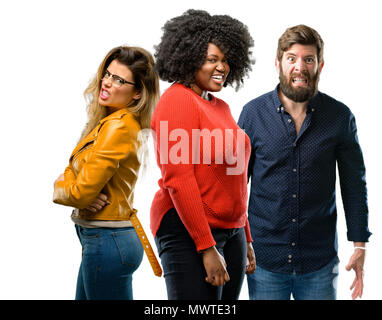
{"x":183,"y":267}
{"x":109,"y":258}
{"x":318,"y":285}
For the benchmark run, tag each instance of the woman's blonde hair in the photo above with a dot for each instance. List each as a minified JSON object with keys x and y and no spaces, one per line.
{"x":141,"y":64}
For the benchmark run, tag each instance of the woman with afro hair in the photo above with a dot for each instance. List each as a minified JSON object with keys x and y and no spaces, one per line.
{"x":198,"y":216}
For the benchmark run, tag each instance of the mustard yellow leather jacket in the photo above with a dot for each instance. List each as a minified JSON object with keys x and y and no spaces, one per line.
{"x":105,"y":161}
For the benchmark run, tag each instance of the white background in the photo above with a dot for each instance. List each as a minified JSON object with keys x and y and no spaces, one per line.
{"x":49,"y":52}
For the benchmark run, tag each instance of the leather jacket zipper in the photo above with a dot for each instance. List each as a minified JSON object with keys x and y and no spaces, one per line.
{"x":84,"y":147}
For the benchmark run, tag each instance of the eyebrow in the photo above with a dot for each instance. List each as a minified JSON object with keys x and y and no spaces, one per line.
{"x":293,"y":54}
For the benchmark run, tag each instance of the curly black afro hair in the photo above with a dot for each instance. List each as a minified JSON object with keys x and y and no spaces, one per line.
{"x":183,"y":47}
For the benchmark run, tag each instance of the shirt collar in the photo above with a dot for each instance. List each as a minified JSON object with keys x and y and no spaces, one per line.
{"x":313,"y":104}
{"x":115,"y":115}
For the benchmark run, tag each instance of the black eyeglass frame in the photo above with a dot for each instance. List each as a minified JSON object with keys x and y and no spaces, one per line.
{"x":115,"y":78}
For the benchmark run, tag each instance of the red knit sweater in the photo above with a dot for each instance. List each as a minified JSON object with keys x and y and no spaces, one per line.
{"x":201,"y":191}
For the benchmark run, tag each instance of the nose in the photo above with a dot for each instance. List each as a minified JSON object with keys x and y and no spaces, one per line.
{"x":221,"y":67}
{"x":107,"y":81}
{"x":300,"y":65}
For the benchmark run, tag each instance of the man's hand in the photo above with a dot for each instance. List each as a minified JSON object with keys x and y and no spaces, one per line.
{"x":356,"y":263}
{"x":98,"y":203}
{"x":251,"y":259}
{"x":215,"y":266}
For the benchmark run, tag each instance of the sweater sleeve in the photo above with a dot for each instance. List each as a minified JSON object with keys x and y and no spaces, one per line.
{"x":114,"y":142}
{"x":176,"y":115}
{"x":247,"y":231}
{"x":241,"y":123}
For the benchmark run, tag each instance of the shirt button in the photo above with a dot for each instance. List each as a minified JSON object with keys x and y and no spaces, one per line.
{"x":289,"y":261}
{"x":294,"y":196}
{"x":293,"y":244}
{"x":290,"y":257}
{"x":293,"y":220}
{"x":294,"y":169}
{"x":289,"y":120}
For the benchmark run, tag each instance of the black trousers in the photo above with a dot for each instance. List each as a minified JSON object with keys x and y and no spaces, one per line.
{"x":183,"y":267}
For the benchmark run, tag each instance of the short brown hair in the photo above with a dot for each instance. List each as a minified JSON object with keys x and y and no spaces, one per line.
{"x":300,"y":34}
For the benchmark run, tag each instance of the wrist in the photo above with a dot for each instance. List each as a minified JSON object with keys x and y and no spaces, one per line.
{"x":360,"y":245}
{"x":205,"y":250}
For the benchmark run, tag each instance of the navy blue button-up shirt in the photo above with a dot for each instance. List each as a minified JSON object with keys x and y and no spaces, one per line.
{"x":292,"y":204}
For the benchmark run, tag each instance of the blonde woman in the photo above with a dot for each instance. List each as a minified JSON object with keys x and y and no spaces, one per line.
{"x":100,"y":178}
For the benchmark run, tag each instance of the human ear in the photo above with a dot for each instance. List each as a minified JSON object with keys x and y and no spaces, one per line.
{"x":321,"y":66}
{"x":277,"y":64}
{"x":137,"y":95}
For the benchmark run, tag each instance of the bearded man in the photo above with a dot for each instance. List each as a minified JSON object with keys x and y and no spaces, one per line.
{"x":298,"y":135}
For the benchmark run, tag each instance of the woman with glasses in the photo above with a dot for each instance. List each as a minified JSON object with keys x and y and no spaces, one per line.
{"x":198,"y":216}
{"x":103,"y":168}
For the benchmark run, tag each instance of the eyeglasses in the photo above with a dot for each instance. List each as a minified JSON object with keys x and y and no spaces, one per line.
{"x":116,"y":81}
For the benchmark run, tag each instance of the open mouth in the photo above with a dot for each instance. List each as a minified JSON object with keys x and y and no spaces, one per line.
{"x":300,"y":81}
{"x":219,"y":78}
{"x":104,"y":94}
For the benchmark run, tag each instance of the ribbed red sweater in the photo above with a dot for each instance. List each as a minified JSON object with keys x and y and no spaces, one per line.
{"x":203,"y":194}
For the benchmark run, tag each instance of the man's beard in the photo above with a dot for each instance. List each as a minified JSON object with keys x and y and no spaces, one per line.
{"x":298,"y":94}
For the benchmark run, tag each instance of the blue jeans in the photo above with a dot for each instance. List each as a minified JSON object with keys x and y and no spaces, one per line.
{"x":318,"y":285}
{"x":183,"y":267}
{"x":109,"y":258}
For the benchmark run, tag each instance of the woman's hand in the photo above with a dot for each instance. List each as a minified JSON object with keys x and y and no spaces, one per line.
{"x":98,"y":203}
{"x":251,"y":259}
{"x":215,"y":266}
